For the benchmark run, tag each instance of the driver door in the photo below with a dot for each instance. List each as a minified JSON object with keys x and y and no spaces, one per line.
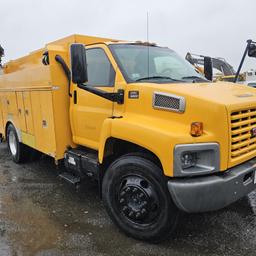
{"x":88,"y":111}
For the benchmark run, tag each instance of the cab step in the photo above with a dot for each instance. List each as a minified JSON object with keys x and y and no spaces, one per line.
{"x":74,"y":180}
{"x":82,"y":162}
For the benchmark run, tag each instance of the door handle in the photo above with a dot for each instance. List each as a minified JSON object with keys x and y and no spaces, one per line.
{"x":75,"y":97}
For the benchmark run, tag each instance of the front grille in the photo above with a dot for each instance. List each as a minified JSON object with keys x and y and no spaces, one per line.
{"x":242,"y":139}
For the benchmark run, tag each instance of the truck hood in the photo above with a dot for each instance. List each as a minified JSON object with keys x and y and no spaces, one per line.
{"x":224,"y":93}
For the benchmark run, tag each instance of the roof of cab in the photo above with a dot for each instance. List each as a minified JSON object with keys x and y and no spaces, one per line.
{"x":84,"y":39}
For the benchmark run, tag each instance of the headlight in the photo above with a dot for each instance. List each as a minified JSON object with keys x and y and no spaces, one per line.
{"x":188,"y":159}
{"x":196,"y":159}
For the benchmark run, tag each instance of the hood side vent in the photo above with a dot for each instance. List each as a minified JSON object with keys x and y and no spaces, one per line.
{"x":169,"y":102}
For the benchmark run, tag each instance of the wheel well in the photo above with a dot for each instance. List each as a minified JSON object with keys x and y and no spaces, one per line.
{"x":115,"y":148}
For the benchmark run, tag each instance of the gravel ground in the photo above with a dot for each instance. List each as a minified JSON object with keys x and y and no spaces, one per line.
{"x":40,"y":215}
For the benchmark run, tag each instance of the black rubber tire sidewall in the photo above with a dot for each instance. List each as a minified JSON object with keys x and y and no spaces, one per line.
{"x":18,"y":157}
{"x":167,"y":219}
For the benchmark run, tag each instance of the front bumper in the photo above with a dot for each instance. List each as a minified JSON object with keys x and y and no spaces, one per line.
{"x":209,"y":193}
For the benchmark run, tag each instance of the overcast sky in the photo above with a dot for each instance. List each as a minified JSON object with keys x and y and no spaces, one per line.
{"x":218,"y":28}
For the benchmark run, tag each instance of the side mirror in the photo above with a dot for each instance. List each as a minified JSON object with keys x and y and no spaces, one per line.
{"x":189,"y":58}
{"x":252,"y":50}
{"x":78,"y":64}
{"x":208,"y":69}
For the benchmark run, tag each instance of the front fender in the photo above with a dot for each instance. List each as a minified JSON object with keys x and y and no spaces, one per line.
{"x":156,"y":135}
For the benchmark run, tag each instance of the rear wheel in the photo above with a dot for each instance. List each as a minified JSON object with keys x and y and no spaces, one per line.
{"x":18,"y":150}
{"x":137,"y":199}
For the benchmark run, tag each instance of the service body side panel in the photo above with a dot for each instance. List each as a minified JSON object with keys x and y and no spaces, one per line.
{"x":21,"y":112}
{"x":10,"y":108}
{"x":44,"y":133}
{"x":27,"y":102}
{"x":60,"y":101}
{"x":28,"y":112}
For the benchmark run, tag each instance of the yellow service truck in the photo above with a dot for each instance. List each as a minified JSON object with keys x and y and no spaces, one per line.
{"x":158,"y":136}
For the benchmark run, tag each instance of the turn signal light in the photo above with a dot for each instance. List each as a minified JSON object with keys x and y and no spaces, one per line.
{"x":196,"y":129}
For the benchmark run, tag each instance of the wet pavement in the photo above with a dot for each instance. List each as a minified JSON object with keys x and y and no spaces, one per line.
{"x":40,"y":214}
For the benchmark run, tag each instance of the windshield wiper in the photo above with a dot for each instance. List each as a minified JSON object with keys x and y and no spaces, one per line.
{"x":156,"y":77}
{"x":195,"y":78}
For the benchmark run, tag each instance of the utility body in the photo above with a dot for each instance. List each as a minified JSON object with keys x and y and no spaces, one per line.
{"x":157,"y":135}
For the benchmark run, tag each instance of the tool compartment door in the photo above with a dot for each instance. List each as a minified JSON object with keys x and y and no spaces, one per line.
{"x":44,"y":122}
{"x":9,"y":107}
{"x":21,"y":112}
{"x":28,"y":112}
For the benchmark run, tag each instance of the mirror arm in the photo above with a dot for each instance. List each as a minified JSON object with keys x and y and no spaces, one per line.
{"x":242,"y":61}
{"x":112,"y":96}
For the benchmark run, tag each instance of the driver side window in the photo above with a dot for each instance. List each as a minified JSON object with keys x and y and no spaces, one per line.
{"x":100,"y":70}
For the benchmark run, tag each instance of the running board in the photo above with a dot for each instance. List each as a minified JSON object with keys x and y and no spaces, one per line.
{"x":74,"y":180}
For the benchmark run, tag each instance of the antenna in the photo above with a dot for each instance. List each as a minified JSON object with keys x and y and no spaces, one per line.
{"x":148,"y":39}
{"x":147,"y":26}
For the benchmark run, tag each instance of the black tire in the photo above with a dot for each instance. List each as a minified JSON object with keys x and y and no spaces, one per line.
{"x":17,"y":150}
{"x":137,"y":199}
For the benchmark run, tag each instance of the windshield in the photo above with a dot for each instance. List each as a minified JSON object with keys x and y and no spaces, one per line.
{"x":141,"y":62}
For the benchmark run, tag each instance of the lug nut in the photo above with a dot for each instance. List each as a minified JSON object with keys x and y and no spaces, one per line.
{"x":122,"y":193}
{"x":131,"y":213}
{"x":141,"y":195}
{"x":138,"y":215}
{"x":121,"y":200}
{"x":128,"y":189}
{"x":134,"y":190}
{"x":144,"y":203}
{"x":125,"y":208}
{"x":143,"y":211}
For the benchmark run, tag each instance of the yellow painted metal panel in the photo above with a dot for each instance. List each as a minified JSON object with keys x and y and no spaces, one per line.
{"x":88,"y":116}
{"x":9,"y":107}
{"x":11,"y":103}
{"x":28,"y":139}
{"x":61,"y":102}
{"x":4,"y":107}
{"x":28,"y":112}
{"x":21,"y":112}
{"x":43,"y":121}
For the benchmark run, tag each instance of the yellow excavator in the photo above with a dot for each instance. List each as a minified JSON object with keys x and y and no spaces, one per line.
{"x":224,"y":71}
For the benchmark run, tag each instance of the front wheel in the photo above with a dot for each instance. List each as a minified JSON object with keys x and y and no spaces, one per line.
{"x":137,"y":199}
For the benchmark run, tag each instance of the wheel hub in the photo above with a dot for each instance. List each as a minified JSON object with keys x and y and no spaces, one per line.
{"x":138,"y":200}
{"x":12,"y":143}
